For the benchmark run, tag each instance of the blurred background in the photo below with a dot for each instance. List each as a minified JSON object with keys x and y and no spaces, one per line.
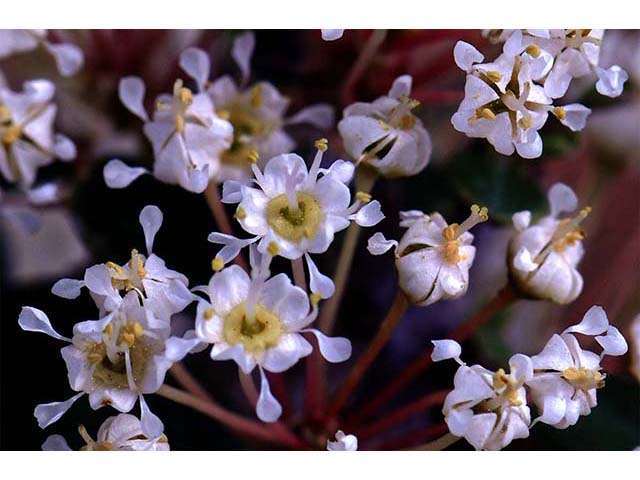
{"x":90,"y":223}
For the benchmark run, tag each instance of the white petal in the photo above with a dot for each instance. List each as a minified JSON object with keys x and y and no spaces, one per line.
{"x":48,"y":413}
{"x":232,"y":191}
{"x":131,"y":91}
{"x":553,"y":410}
{"x":554,"y":356}
{"x":268,"y":409}
{"x":151,"y":425}
{"x":611,"y":81}
{"x":465,"y":55}
{"x":523,"y":261}
{"x":151,"y":220}
{"x":595,"y":322}
{"x":241,"y":51}
{"x":521,"y":367}
{"x":613,"y":342}
{"x":34,"y":320}
{"x":458,"y":421}
{"x":98,"y":279}
{"x":445,"y":350}
{"x":177,"y":348}
{"x":333,"y":349}
{"x":561,"y":199}
{"x":369,"y":215}
{"x":320,"y":116}
{"x":521,"y":220}
{"x":67,"y":288}
{"x":341,"y":170}
{"x":401,"y":86}
{"x":69,"y":58}
{"x":575,"y":116}
{"x":64,"y":148}
{"x":378,"y":244}
{"x":119,"y":175}
{"x":195,"y":62}
{"x":55,"y":443}
{"x":329,"y":35}
{"x":319,"y":282}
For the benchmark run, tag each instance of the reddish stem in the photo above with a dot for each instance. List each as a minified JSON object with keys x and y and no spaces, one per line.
{"x":460,"y":334}
{"x":401,"y":414}
{"x":389,"y":324}
{"x":415,"y":437}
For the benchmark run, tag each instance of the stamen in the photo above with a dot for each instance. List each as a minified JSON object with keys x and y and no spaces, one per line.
{"x":217,"y":264}
{"x":525,"y":122}
{"x":179,"y":123}
{"x":494,"y":76}
{"x":256,"y":97}
{"x":560,"y":112}
{"x":322,"y":144}
{"x":583,"y":378}
{"x":209,"y":313}
{"x":85,"y":436}
{"x":253,"y":156}
{"x":364,"y":197}
{"x":11,"y":134}
{"x":400,"y":113}
{"x":478,"y":215}
{"x":565,"y":227}
{"x":315,"y":299}
{"x":241,"y":213}
{"x":224,"y":114}
{"x":486,"y":113}
{"x":533,"y":50}
{"x":273,"y":249}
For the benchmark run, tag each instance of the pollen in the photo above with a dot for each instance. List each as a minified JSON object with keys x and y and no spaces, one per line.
{"x":185,"y":96}
{"x":315,"y":298}
{"x":583,"y":378}
{"x":208,"y":313}
{"x":294,"y":225}
{"x":494,"y":76}
{"x":11,"y":134}
{"x":560,"y":112}
{"x":533,"y":50}
{"x":322,"y":144}
{"x":241,"y":213}
{"x":217,"y":264}
{"x":525,"y":123}
{"x":130,"y":333}
{"x":486,"y":113}
{"x":108,"y":330}
{"x":363,"y":197}
{"x":253,"y":156}
{"x":255,"y":336}
{"x":273,"y":249}
{"x":407,"y":122}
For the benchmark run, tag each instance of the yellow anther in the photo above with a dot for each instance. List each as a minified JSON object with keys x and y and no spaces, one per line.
{"x":482,"y":213}
{"x":584,"y":213}
{"x":217,"y":264}
{"x":486,"y":113}
{"x":315,"y":298}
{"x":449,"y":232}
{"x":208,"y":313}
{"x":533,"y":50}
{"x":322,"y":144}
{"x":179,"y":122}
{"x":11,"y":134}
{"x":108,"y":330}
{"x":256,"y":97}
{"x":224,"y":114}
{"x":407,"y":122}
{"x":363,"y":197}
{"x":94,"y":357}
{"x":494,"y":76}
{"x":583,"y":378}
{"x":241,"y":213}
{"x":114,"y":266}
{"x":253,"y":156}
{"x":137,"y":329}
{"x":273,"y":249}
{"x":525,"y":122}
{"x":185,"y":96}
{"x":560,"y":112}
{"x":383,"y":124}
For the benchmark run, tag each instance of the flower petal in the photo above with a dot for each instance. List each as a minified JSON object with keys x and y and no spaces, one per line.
{"x":611,"y":81}
{"x":34,"y":320}
{"x":69,"y":58}
{"x":329,"y":35}
{"x":267,"y":408}
{"x":319,"y":282}
{"x":333,"y":349}
{"x":369,"y":215}
{"x":401,"y":86}
{"x":561,"y":199}
{"x":48,"y":413}
{"x":55,"y":443}
{"x":117,"y":174}
{"x":195,"y":62}
{"x":445,"y":350}
{"x":241,"y":51}
{"x":151,"y":425}
{"x":320,"y":115}
{"x":613,"y":342}
{"x":69,"y":288}
{"x":378,"y":244}
{"x":595,"y":322}
{"x":465,"y":55}
{"x":151,"y":220}
{"x":131,"y":92}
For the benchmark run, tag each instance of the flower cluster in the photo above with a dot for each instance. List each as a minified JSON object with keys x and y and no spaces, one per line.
{"x":126,"y":353}
{"x":216,"y":133}
{"x":489,"y":409}
{"x":507,"y":101}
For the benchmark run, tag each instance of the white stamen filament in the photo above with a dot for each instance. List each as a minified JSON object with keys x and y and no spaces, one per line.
{"x":86,"y":437}
{"x":561,"y":231}
{"x":129,"y":369}
{"x":478,"y":215}
{"x":290,"y":190}
{"x":259,"y":275}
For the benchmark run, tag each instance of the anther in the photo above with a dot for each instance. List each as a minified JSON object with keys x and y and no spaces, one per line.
{"x":217,"y":264}
{"x":560,"y":112}
{"x":322,"y":144}
{"x":273,"y":249}
{"x":208,"y":313}
{"x":253,"y":156}
{"x":494,"y":76}
{"x":533,"y":50}
{"x":364,"y":197}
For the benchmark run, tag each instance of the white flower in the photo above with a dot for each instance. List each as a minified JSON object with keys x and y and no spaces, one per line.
{"x":299,"y":210}
{"x":432,"y":257}
{"x":635,"y":342}
{"x":115,"y":360}
{"x":503,"y":103}
{"x":329,"y":35}
{"x":121,"y":432}
{"x":489,"y":409}
{"x":385,"y":134}
{"x":164,"y":291}
{"x":186,"y":135}
{"x":543,"y":257}
{"x":566,"y":377}
{"x":69,"y":58}
{"x":27,"y":139}
{"x":258,"y":321}
{"x":343,"y":443}
{"x":257,"y":112}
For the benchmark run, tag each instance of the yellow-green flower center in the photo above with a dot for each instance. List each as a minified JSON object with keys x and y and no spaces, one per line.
{"x":294,"y":224}
{"x":255,"y":335}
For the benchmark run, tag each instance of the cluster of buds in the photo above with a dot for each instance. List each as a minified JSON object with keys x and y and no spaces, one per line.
{"x":507,"y":101}
{"x":489,"y":409}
